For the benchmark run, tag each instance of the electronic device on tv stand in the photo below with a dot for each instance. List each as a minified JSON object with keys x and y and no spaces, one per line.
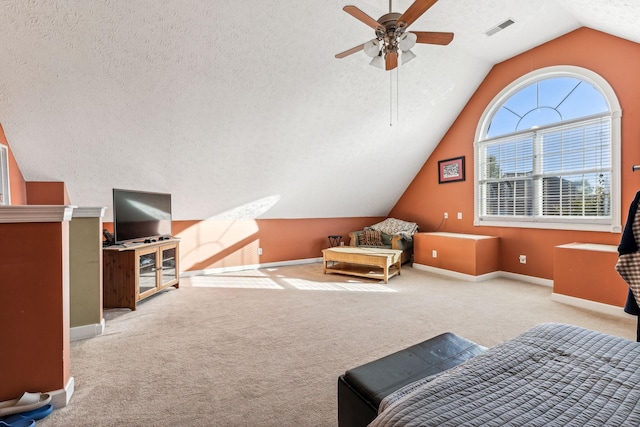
{"x":141,"y":216}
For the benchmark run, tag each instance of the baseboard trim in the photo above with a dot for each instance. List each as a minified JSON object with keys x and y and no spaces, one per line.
{"x":456,"y":274}
{"x":483,"y":277}
{"x":529,"y":279}
{"x":249,"y":267}
{"x":60,"y":398}
{"x":87,"y":331}
{"x":589,"y":305}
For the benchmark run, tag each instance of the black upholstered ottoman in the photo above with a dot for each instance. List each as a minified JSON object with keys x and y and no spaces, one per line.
{"x":361,"y":389}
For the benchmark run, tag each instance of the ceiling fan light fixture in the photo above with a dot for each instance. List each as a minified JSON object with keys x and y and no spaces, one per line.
{"x":372,"y":47}
{"x":407,"y":41}
{"x":377,"y":62}
{"x":406,"y":56}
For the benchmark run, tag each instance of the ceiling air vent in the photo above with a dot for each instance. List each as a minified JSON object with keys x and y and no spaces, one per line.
{"x":500,"y":27}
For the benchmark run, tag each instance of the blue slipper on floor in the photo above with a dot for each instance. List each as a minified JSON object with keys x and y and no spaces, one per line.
{"x":36,"y":414}
{"x":22,"y":422}
{"x":27,"y":402}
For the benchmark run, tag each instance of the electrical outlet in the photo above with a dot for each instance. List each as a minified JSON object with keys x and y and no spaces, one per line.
{"x":434,"y":253}
{"x":259,"y":251}
{"x":523,"y":259}
{"x":459,"y":215}
{"x":446,"y":215}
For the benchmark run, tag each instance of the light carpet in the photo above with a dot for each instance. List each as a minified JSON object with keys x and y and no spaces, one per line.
{"x":265,"y":347}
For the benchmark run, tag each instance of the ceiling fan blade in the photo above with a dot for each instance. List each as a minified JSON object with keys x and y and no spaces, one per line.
{"x":429,"y":37}
{"x":350,"y":51}
{"x":415,"y":11}
{"x":362,"y":17}
{"x":391,"y":61}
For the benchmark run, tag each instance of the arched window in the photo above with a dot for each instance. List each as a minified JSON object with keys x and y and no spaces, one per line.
{"x":547,"y":153}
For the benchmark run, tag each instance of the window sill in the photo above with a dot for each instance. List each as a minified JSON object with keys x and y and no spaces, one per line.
{"x":605,"y":228}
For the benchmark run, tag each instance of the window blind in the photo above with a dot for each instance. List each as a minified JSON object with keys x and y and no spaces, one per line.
{"x":555,"y":171}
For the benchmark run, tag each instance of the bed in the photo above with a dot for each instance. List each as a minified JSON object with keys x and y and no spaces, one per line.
{"x":551,"y":375}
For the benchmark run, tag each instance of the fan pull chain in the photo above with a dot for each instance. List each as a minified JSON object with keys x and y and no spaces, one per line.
{"x":390,"y":99}
{"x":397,"y":71}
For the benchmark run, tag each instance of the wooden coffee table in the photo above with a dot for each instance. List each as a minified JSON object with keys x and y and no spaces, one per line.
{"x":357,"y":261}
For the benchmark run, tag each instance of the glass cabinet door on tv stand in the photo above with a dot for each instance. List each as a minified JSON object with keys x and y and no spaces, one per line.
{"x":136,"y":271}
{"x":168,"y":262}
{"x":147,"y":270}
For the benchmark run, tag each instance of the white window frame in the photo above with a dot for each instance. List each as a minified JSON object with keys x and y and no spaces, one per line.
{"x":614,"y":224}
{"x":5,"y":196}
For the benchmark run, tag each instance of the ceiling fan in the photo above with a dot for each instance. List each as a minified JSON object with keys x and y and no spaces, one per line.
{"x":392,"y":39}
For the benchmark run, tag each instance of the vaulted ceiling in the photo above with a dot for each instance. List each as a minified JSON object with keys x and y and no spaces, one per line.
{"x":239,"y":108}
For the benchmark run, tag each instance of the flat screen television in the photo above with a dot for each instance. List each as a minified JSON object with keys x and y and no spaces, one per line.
{"x":140,"y":215}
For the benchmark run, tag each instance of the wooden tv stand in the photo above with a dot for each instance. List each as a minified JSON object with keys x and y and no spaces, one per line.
{"x":135,"y":271}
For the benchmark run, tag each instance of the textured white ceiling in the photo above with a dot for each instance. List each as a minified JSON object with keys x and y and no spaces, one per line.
{"x":239,"y":108}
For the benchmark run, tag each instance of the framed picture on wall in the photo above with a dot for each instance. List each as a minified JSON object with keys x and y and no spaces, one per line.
{"x":451,"y":170}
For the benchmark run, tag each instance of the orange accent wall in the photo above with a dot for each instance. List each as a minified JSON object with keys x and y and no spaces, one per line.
{"x":34,"y":308}
{"x":208,"y":244}
{"x":47,"y":193}
{"x":424,"y":201}
{"x":17,"y":184}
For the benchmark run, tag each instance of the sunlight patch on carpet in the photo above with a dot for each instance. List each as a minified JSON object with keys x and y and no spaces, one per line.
{"x":310,"y":285}
{"x":233,"y":282}
{"x":245,"y":273}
